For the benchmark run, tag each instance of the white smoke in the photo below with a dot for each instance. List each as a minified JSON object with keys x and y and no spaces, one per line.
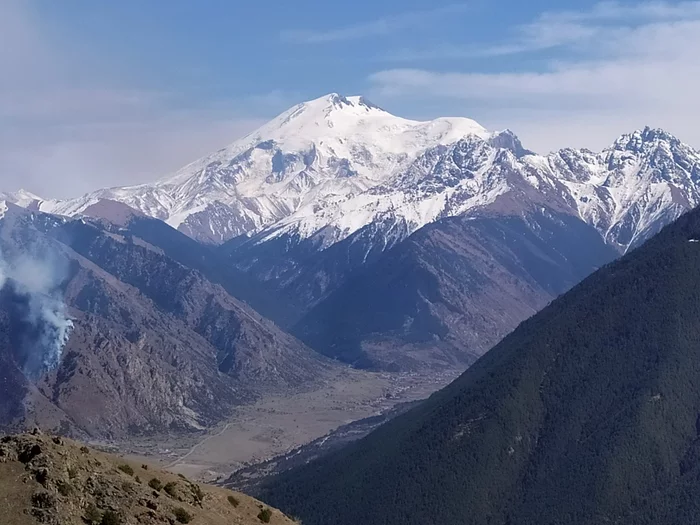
{"x":48,"y":316}
{"x":3,"y":272}
{"x":38,"y":280}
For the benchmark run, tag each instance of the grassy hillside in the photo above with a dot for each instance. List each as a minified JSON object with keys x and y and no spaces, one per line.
{"x":589,"y":412}
{"x":56,"y":481}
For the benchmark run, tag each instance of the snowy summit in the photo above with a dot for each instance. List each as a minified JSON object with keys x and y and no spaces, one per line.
{"x":330,"y":167}
{"x":320,"y":150}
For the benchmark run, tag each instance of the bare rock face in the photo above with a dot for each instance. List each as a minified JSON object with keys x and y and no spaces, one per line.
{"x":154,"y":345}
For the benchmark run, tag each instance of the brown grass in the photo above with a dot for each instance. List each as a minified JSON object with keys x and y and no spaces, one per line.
{"x":206,"y":504}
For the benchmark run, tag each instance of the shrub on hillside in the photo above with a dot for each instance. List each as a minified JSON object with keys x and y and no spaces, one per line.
{"x":126,"y":469}
{"x":170,"y":489}
{"x":197,"y":493}
{"x":156,"y":484}
{"x":110,"y":518}
{"x":64,"y":489}
{"x":182,"y":516}
{"x":92,"y":515}
{"x":265,"y":515}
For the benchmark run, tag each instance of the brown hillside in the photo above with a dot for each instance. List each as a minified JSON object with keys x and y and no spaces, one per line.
{"x":56,"y":481}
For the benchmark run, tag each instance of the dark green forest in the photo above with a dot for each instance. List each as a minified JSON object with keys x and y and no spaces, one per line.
{"x":589,"y":412}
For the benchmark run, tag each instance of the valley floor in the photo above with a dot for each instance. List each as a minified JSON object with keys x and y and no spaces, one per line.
{"x":276,"y":424}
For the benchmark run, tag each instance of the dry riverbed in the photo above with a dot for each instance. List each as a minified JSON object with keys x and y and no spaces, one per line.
{"x":276,"y":424}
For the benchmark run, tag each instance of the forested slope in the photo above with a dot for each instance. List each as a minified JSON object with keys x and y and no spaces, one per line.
{"x":589,"y":412}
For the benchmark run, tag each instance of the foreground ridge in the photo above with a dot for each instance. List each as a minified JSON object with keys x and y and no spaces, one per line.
{"x":56,"y":481}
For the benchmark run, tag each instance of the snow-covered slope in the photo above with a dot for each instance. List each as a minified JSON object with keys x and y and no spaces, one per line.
{"x":645,"y":180}
{"x":627,"y":192}
{"x":328,"y":149}
{"x":328,"y":168}
{"x":442,"y":181}
{"x":21,"y":198}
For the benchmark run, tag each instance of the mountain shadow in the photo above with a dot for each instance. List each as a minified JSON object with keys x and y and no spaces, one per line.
{"x":453,"y":289}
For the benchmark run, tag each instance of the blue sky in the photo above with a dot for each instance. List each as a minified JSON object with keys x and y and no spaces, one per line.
{"x":108,"y":93}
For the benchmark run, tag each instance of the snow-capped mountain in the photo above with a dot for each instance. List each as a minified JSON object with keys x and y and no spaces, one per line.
{"x":443,"y":181}
{"x":627,"y":192}
{"x":645,"y":180}
{"x":337,"y":184}
{"x":325,"y":150}
{"x":328,"y":168}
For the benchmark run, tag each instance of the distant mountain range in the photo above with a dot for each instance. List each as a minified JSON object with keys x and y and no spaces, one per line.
{"x":452,"y":290}
{"x":335,"y":229}
{"x":327,"y":168}
{"x":587,"y":413}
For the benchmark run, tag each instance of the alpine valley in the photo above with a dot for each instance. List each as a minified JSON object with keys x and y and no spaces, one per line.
{"x":337,"y":230}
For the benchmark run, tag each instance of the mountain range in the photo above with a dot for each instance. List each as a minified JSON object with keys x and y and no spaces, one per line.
{"x":587,"y":413}
{"x":337,"y":230}
{"x":327,"y":168}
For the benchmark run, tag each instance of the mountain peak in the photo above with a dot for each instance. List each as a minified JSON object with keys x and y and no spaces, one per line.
{"x":337,"y":101}
{"x":21,"y":197}
{"x":332,"y":105}
{"x":640,"y":139}
{"x":335,"y":98}
{"x":506,"y":139}
{"x":332,"y":100}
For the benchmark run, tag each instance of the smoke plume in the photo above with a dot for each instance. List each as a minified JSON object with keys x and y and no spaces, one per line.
{"x":42,"y":327}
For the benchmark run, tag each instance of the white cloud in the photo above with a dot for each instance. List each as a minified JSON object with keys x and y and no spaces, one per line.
{"x":620,"y":65}
{"x":655,"y":11}
{"x":375,"y":28}
{"x":584,"y":30}
{"x":597,"y":28}
{"x":67,"y":126}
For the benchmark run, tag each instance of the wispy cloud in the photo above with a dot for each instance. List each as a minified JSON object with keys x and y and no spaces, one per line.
{"x":375,"y":28}
{"x":615,"y":65}
{"x":594,"y":29}
{"x":616,"y":11}
{"x":561,"y":29}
